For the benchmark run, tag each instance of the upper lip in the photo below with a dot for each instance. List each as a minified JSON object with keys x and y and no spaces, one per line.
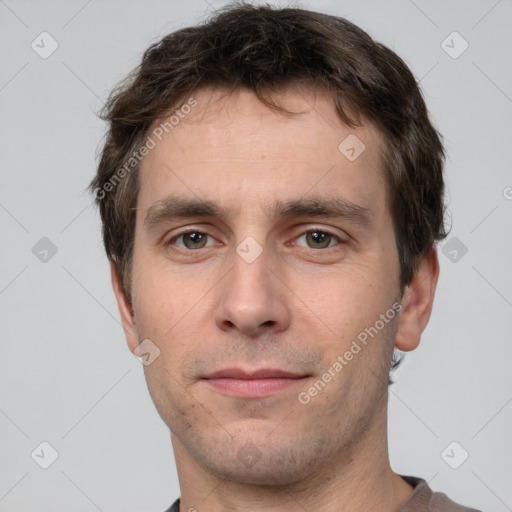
{"x":263,"y":373}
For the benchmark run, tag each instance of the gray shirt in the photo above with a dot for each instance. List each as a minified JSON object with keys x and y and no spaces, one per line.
{"x":423,"y":499}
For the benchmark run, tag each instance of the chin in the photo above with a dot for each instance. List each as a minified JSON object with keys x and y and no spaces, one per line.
{"x":263,"y":473}
{"x":261,"y":460}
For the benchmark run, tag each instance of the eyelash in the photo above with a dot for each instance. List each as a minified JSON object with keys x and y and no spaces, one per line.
{"x":190,"y":252}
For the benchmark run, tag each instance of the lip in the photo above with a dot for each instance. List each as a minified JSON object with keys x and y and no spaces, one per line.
{"x":262,"y":373}
{"x":253,"y":384}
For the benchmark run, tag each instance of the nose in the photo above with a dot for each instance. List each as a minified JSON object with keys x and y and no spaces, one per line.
{"x":253,"y":298}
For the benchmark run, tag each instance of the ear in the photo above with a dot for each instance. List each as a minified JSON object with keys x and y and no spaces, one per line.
{"x":417,"y":302}
{"x":125,"y":310}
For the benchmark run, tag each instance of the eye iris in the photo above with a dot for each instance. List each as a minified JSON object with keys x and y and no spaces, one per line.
{"x":197,"y":240}
{"x":317,"y":237}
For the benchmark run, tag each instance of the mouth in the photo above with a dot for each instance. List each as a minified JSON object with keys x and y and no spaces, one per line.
{"x":253,"y":384}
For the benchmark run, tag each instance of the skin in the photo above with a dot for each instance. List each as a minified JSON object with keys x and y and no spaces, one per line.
{"x":297,"y":307}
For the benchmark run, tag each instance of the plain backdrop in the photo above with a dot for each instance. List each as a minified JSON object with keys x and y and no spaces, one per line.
{"x":67,"y":377}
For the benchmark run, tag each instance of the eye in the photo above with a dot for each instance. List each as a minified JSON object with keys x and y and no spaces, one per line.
{"x":194,"y":239}
{"x":317,"y":239}
{"x":191,"y":240}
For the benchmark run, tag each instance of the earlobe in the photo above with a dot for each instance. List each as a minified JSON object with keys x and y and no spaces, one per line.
{"x":125,"y":310}
{"x":417,"y":302}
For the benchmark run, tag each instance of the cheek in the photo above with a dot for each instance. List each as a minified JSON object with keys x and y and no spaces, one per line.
{"x":344,"y":300}
{"x":176,"y":408}
{"x":159,"y":297}
{"x":169,"y":311}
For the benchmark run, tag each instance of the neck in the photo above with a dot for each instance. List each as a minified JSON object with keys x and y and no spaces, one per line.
{"x":359,"y":478}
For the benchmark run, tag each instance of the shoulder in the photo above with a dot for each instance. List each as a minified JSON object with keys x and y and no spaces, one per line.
{"x":423,"y":499}
{"x":175,"y":507}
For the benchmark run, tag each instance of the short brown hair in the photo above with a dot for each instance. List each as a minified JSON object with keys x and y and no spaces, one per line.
{"x":262,"y":48}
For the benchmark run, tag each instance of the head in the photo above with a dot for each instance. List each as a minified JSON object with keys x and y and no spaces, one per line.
{"x":271,"y":194}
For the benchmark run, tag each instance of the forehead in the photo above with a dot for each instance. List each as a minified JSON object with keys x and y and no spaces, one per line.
{"x":233,"y":148}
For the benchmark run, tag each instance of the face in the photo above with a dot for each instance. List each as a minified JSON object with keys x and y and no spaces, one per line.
{"x":264,"y":256}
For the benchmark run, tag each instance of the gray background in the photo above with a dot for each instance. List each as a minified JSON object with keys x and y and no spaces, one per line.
{"x":66,"y":375}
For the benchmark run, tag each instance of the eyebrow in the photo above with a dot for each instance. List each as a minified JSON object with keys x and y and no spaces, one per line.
{"x":175,"y":207}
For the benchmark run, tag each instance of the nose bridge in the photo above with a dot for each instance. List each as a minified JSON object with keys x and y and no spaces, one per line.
{"x":251,"y":299}
{"x":250,"y":272}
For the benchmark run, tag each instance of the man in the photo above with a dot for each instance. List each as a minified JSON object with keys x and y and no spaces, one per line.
{"x":271,"y":194}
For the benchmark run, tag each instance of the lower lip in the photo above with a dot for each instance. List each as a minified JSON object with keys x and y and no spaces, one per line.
{"x":253,"y":388}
